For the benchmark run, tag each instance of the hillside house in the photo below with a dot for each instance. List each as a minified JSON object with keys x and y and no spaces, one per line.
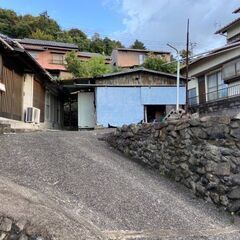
{"x":51,"y":55}
{"x":25,"y":84}
{"x":130,"y":58}
{"x":133,"y":96}
{"x":214,"y":85}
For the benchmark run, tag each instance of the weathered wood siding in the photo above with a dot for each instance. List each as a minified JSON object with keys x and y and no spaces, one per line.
{"x":146,"y":79}
{"x":39,"y":98}
{"x":11,"y":101}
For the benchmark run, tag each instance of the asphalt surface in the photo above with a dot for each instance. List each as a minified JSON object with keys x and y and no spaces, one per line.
{"x":84,"y":189}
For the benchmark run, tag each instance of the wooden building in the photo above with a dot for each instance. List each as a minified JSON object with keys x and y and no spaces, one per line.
{"x":133,"y":96}
{"x":51,"y":55}
{"x":24,"y":84}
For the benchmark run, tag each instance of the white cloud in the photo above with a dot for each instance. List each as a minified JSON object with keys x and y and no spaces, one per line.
{"x":157,"y":22}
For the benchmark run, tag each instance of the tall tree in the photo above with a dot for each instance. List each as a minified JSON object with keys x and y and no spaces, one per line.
{"x":110,"y":45}
{"x":138,"y":45}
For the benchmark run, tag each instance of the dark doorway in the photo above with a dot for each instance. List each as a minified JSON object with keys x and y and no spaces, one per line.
{"x":71,"y":112}
{"x":155,"y":113}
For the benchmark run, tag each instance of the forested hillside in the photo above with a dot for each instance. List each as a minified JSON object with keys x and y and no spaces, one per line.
{"x":45,"y":28}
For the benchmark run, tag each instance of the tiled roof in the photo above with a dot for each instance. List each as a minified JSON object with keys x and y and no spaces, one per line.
{"x":135,"y":70}
{"x":47,"y":43}
{"x":225,"y":28}
{"x":214,"y":52}
{"x":91,"y":54}
{"x":142,"y":50}
{"x":7,"y":39}
{"x":24,"y":54}
{"x":237,"y":10}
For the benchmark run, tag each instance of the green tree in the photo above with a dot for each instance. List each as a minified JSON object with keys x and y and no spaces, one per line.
{"x":39,"y":34}
{"x":94,"y":67}
{"x":138,"y":45}
{"x":97,"y":66}
{"x":45,"y":28}
{"x":110,"y":45}
{"x":97,"y":45}
{"x":158,"y":64}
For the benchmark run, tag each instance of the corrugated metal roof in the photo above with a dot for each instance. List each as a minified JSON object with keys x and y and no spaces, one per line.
{"x":91,"y":54}
{"x":47,"y":43}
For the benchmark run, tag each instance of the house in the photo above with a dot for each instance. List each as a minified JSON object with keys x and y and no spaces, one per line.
{"x":51,"y":55}
{"x":214,"y":84}
{"x":130,"y":58}
{"x":26,"y":85}
{"x":133,"y":96}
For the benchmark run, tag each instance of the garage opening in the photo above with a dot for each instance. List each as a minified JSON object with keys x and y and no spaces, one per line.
{"x":154,"y":113}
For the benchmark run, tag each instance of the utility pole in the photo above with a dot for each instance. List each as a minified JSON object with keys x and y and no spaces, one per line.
{"x":178,"y":76}
{"x":187,"y":65}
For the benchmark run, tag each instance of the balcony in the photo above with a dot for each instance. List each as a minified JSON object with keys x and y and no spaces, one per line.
{"x":223,"y":93}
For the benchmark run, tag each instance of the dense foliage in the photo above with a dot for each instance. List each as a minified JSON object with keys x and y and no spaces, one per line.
{"x":45,"y":28}
{"x":158,"y":64}
{"x":138,"y":45}
{"x":94,"y":67}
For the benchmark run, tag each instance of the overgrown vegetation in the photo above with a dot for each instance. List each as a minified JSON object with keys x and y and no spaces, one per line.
{"x":96,"y":66}
{"x":159,"y":64}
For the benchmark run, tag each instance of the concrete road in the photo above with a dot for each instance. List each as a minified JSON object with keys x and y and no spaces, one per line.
{"x":80,"y":188}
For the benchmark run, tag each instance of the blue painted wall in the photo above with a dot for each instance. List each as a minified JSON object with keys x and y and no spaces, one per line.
{"x":125,"y":105}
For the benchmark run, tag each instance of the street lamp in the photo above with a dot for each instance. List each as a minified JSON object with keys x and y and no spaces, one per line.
{"x":178,"y":76}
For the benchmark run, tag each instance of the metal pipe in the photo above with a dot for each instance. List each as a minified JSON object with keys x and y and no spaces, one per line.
{"x":178,"y":76}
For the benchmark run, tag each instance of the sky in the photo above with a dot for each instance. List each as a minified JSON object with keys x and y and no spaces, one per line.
{"x":154,"y":22}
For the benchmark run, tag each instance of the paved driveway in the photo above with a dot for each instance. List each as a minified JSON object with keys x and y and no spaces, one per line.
{"x":92,"y":192}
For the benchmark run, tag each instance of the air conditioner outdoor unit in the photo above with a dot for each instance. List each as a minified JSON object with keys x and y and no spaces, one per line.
{"x":32,"y":115}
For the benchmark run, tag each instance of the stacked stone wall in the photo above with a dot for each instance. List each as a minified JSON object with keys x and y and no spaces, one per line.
{"x":203,"y":154}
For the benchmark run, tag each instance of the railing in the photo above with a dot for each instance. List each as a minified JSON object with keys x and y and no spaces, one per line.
{"x":222,"y":93}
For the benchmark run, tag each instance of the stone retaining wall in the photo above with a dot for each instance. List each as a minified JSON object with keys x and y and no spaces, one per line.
{"x":203,"y":154}
{"x":19,"y":230}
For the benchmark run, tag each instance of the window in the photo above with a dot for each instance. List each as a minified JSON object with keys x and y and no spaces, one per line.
{"x":58,"y":59}
{"x":192,"y":96}
{"x":231,"y":70}
{"x":216,"y":86}
{"x":142,"y":58}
